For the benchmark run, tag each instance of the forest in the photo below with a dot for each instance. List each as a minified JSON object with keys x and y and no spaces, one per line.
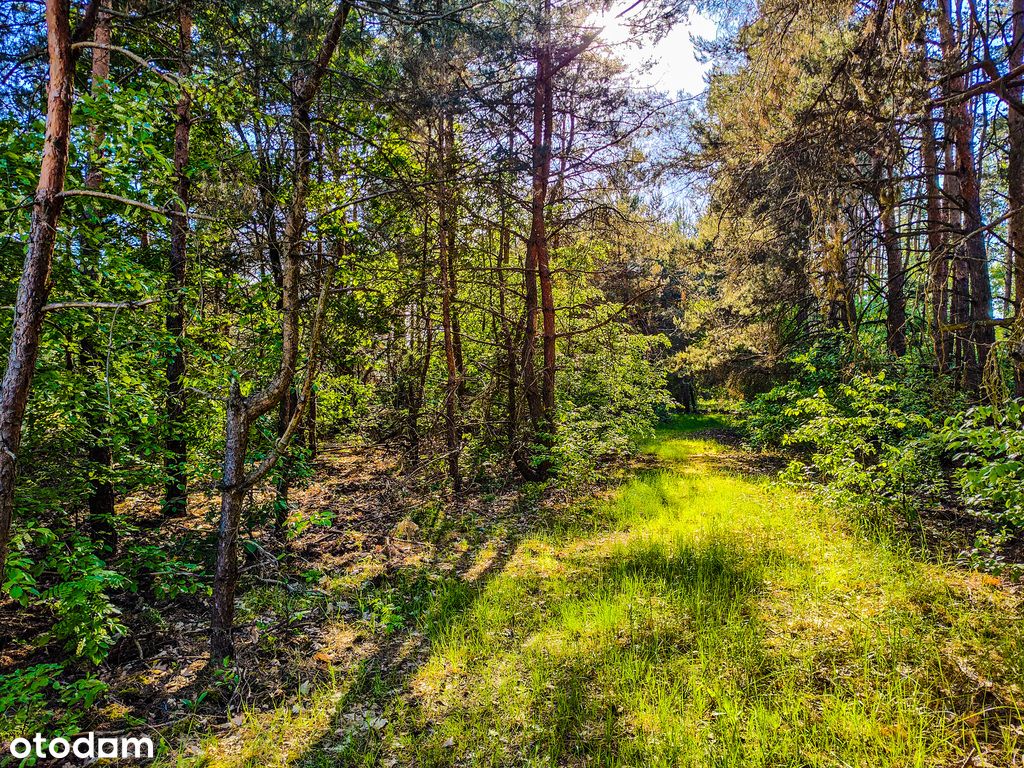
{"x":451,"y":383}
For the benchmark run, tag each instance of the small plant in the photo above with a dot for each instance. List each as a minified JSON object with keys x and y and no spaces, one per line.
{"x":382,"y":612}
{"x":985,"y":555}
{"x":88,"y":622}
{"x":320,"y":517}
{"x":171,"y":577}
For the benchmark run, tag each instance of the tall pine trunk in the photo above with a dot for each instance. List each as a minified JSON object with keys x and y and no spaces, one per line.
{"x":1015,"y":191}
{"x":972,"y":286}
{"x":99,"y":453}
{"x":34,"y":285}
{"x":444,"y":241}
{"x":176,"y":491}
{"x":938,"y":261}
{"x":895,"y":282}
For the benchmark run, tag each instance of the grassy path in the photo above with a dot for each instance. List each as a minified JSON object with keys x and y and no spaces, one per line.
{"x":703,"y":617}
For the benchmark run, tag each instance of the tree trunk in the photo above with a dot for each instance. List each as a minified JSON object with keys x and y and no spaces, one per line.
{"x":1015,"y":162}
{"x":242,"y":412}
{"x":895,"y":297}
{"x":232,"y":495}
{"x":539,"y":399}
{"x":99,"y":453}
{"x":451,"y":400}
{"x":971,"y":250}
{"x":176,"y":491}
{"x":547,"y":298}
{"x":508,"y":342}
{"x":286,"y":411}
{"x":34,"y":285}
{"x":938,"y":261}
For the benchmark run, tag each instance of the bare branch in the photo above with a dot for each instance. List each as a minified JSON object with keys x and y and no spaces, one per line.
{"x":133,"y":203}
{"x":134,"y":57}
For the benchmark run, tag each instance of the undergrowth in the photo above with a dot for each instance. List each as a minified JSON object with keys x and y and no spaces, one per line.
{"x":699,"y":617}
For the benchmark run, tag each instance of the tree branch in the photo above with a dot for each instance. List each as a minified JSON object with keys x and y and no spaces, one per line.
{"x":99,"y":304}
{"x":134,"y":203}
{"x":134,"y":57}
{"x":254,"y":476}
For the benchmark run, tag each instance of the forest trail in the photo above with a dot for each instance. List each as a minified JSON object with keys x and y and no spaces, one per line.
{"x":703,"y":615}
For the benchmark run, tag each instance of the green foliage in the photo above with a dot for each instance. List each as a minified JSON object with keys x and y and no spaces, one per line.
{"x":170,"y":576}
{"x":39,"y":698}
{"x":769,"y":418}
{"x":868,"y":449}
{"x":298,"y":524}
{"x":609,"y":400}
{"x":989,"y":445}
{"x":88,"y":623}
{"x":875,"y":445}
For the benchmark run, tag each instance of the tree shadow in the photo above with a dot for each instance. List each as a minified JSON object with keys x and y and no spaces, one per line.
{"x":618,"y":620}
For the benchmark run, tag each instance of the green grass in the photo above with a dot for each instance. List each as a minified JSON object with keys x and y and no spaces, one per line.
{"x":702,"y":618}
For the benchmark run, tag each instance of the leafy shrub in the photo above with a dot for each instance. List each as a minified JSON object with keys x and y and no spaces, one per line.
{"x":864,"y":444}
{"x":768,"y":418}
{"x":171,"y":577}
{"x":989,"y":445}
{"x":88,"y":623}
{"x":37,"y":698}
{"x":609,"y":400}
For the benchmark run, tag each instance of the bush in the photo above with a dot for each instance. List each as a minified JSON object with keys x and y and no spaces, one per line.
{"x":767,"y":418}
{"x":861,"y":438}
{"x":27,"y":695}
{"x":869,"y":449}
{"x":989,"y":446}
{"x":88,"y":623}
{"x":611,"y":396}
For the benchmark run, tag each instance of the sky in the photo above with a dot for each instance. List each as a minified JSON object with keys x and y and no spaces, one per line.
{"x":673,"y":65}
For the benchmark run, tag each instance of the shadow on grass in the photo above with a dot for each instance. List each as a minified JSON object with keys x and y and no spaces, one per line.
{"x":563,"y":657}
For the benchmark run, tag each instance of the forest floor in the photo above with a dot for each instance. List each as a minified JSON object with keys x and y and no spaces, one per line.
{"x":700,"y":614}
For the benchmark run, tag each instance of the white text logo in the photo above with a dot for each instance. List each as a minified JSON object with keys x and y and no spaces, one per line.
{"x":87,"y":746}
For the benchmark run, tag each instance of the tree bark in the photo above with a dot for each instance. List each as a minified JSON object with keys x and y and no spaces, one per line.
{"x":233,"y":492}
{"x":971,"y":250}
{"x":99,"y":454}
{"x":539,"y":395}
{"x":536,"y":240}
{"x":895,"y":296}
{"x":287,"y":407}
{"x":34,"y":284}
{"x":451,"y":400}
{"x":176,"y":491}
{"x":938,"y":261}
{"x":1015,"y":191}
{"x":547,"y":298}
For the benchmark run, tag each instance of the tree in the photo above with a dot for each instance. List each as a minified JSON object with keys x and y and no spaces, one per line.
{"x":176,"y":492}
{"x":242,"y":412}
{"x":34,"y":287}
